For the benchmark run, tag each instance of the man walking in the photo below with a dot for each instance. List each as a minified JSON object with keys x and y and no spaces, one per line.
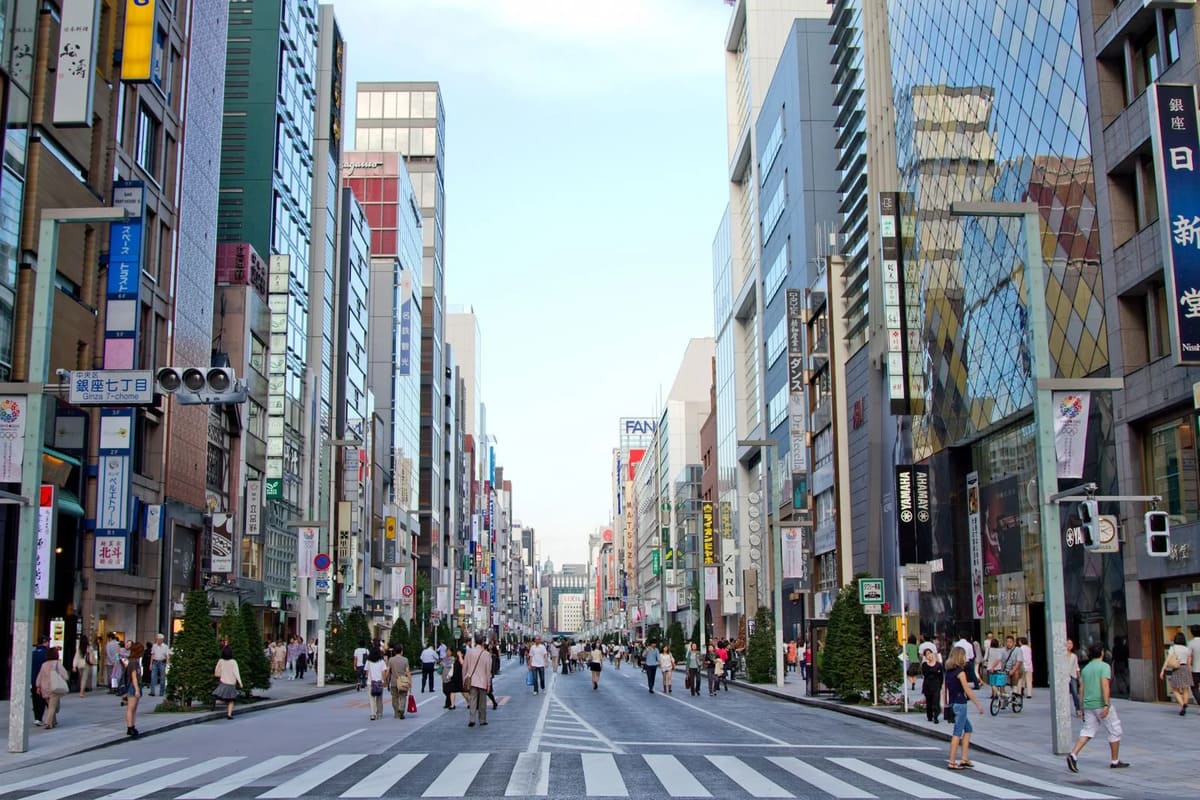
{"x":112,"y":658}
{"x":160,"y":654}
{"x":1194,"y":647}
{"x":1098,"y":712}
{"x":477,"y":671}
{"x":360,"y":664}
{"x":35,"y":662}
{"x":650,"y":663}
{"x":400,"y":681}
{"x":537,"y":664}
{"x":429,"y":659}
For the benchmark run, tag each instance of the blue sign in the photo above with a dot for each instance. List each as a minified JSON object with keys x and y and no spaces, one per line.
{"x":1177,"y":156}
{"x":405,"y":355}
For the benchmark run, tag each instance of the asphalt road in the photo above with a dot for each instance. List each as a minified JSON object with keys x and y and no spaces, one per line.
{"x":570,"y":741}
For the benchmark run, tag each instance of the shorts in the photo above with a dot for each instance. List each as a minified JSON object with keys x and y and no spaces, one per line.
{"x":962,"y":720}
{"x":1092,"y":722}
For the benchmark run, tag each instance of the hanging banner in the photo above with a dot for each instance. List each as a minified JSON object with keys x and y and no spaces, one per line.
{"x":975,"y":546}
{"x":712,"y":583}
{"x":730,"y":598}
{"x":253,"y":508}
{"x":1070,"y":431}
{"x":1173,"y":137}
{"x":672,"y":599}
{"x":794,"y":552}
{"x":12,"y":438}
{"x":43,"y":570}
{"x":75,"y":75}
{"x":306,"y":551}
{"x":222,"y":543}
{"x":154,"y":522}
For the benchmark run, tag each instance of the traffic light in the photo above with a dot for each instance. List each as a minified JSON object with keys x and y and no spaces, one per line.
{"x":193,"y":386}
{"x":1089,"y":521}
{"x":1158,"y":534}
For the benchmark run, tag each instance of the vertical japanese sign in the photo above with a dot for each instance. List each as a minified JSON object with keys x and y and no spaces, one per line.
{"x":253,"y":508}
{"x":138,"y":43}
{"x":901,"y":313}
{"x":712,"y":583}
{"x":113,"y":498}
{"x":110,"y":552}
{"x":1174,"y":138}
{"x":279,"y":281}
{"x":975,"y":546}
{"x":404,"y":357}
{"x":122,"y":303}
{"x":797,"y":401}
{"x":222,"y":543}
{"x":709,"y":535}
{"x":75,"y":74}
{"x":43,"y":570}
{"x":12,"y":438}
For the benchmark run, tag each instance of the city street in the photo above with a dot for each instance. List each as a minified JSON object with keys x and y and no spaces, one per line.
{"x":570,"y":741}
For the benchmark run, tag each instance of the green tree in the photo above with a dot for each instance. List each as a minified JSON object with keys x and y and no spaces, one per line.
{"x":675,"y":640}
{"x":400,"y":637}
{"x":696,"y":632}
{"x":846,"y":662}
{"x":194,"y":654}
{"x":346,"y":630}
{"x":760,"y":656}
{"x":231,"y":632}
{"x":256,"y":671}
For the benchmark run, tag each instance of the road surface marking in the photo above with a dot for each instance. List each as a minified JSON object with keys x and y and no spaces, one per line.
{"x":1034,"y":783}
{"x":535,"y":738}
{"x":580,"y":722}
{"x":588,"y":748}
{"x":822,"y":780}
{"x":308,"y":780}
{"x":722,"y":719}
{"x":456,"y":778}
{"x":42,"y":780}
{"x":237,"y":780}
{"x":382,"y":779}
{"x":960,"y":779}
{"x":675,"y":777}
{"x":739,"y":745}
{"x":747,"y":778}
{"x":601,"y":776}
{"x":530,"y":777}
{"x":330,"y":743}
{"x":104,"y":779}
{"x":144,"y":788}
{"x":890,"y":779}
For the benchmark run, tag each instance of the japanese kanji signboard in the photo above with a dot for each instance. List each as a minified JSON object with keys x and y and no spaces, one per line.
{"x":1174,"y":137}
{"x":110,"y":552}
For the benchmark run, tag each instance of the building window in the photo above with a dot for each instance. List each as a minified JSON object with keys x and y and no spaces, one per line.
{"x":777,"y":341}
{"x":777,"y":408}
{"x":777,"y":272}
{"x":1171,"y":468}
{"x":148,"y":131}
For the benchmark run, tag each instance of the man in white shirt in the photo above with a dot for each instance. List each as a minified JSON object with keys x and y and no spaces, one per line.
{"x":160,"y":654}
{"x":429,"y":659}
{"x":360,"y":661}
{"x":1194,"y":647}
{"x":537,"y":664}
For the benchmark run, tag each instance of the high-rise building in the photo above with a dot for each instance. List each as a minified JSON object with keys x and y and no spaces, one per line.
{"x":408,"y":117}
{"x":266,"y":201}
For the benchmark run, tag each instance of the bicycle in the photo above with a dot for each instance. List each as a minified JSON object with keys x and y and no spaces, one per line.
{"x":1003,"y":698}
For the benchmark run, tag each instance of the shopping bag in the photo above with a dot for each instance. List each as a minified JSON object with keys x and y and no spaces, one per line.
{"x":412,"y":704}
{"x":529,"y":678}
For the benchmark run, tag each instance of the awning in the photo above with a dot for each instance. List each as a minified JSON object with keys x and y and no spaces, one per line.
{"x":68,"y":503}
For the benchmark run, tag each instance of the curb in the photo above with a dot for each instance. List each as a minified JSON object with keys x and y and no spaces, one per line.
{"x":872,"y":716}
{"x":197,"y":717}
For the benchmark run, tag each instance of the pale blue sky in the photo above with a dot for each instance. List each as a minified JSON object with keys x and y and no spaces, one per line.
{"x":585,"y":177}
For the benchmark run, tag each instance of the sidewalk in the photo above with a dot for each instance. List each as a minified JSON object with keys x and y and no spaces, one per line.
{"x":98,"y":720}
{"x":1161,"y":747}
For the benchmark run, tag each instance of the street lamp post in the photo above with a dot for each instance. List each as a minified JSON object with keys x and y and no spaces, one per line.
{"x":776,"y":551}
{"x":1047,"y":469}
{"x":31,"y":468}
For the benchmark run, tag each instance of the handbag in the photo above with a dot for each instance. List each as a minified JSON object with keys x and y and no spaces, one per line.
{"x":948,"y":714}
{"x":58,"y":684}
{"x":376,"y":688}
{"x":1172,"y":662}
{"x":403,"y":683}
{"x":687,"y":680}
{"x":529,"y":678}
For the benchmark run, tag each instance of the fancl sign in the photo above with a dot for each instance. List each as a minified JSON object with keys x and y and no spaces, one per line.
{"x":638,"y":427}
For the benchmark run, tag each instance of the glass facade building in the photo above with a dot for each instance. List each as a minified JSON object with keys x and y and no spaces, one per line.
{"x":990,"y":104}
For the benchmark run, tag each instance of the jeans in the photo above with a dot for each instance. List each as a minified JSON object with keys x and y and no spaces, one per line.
{"x":539,"y":678}
{"x":694,"y":675}
{"x":651,"y":671}
{"x":1073,"y":688}
{"x":158,"y":674}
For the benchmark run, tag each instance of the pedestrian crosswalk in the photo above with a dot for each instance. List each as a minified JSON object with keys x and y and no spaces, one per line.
{"x":540,"y":774}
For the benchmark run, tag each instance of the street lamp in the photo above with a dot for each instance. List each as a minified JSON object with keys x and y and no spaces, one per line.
{"x":776,"y":552}
{"x":1047,"y":466}
{"x":31,"y":468}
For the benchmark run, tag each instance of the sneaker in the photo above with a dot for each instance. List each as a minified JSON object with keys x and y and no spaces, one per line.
{"x":1072,"y":764}
{"x":1118,"y":765}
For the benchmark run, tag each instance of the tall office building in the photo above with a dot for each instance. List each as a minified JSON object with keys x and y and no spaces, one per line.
{"x":753,"y":44}
{"x":266,"y":201}
{"x":408,"y":117}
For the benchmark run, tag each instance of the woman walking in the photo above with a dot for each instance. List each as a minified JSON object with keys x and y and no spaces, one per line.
{"x":491,"y":692}
{"x":1071,"y":673}
{"x":376,"y":669}
{"x":82,"y":663}
{"x":595,"y":664}
{"x":692,"y":664}
{"x":933,"y":677}
{"x":710,"y":669}
{"x":452,"y":672}
{"x":229,"y":680}
{"x":666,"y":663}
{"x":133,"y":688}
{"x":913,"y":661}
{"x":51,"y":684}
{"x":1178,"y":671}
{"x":958,"y":692}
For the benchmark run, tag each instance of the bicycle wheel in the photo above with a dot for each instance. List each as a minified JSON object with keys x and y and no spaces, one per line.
{"x":1018,"y":702}
{"x":997,"y":704}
